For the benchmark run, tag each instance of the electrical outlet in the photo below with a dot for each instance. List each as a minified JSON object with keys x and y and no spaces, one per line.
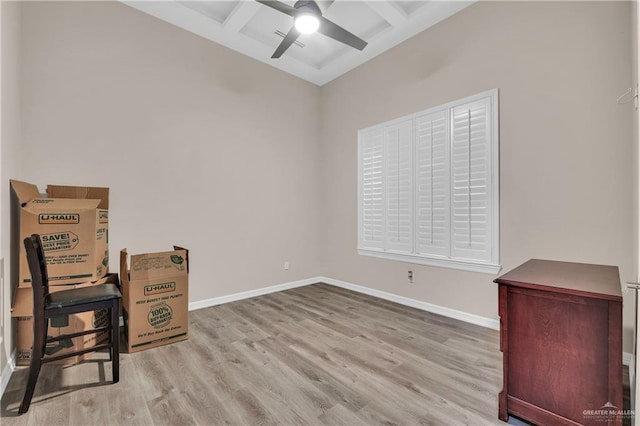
{"x":286,"y":265}
{"x":410,"y":277}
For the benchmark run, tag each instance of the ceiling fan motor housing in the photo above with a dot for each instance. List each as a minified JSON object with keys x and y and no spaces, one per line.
{"x":309,"y":11}
{"x":307,"y":7}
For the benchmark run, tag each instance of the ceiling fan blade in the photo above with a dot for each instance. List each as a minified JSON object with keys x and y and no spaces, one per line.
{"x":336,"y":32}
{"x":279,"y":6}
{"x":324,"y":5}
{"x":291,"y":36}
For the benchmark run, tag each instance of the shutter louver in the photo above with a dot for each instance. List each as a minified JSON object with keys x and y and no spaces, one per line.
{"x":471,"y":180}
{"x":371,"y":187}
{"x":428,"y":186}
{"x":432,"y":184}
{"x":399,"y":187}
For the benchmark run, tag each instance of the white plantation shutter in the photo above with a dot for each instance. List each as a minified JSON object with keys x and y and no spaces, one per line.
{"x":432,"y":184}
{"x":399,"y":187}
{"x":471,"y":180}
{"x":428,"y":186}
{"x":372,"y":190}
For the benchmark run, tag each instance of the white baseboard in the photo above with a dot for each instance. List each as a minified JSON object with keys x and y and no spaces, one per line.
{"x":7,"y":371}
{"x":491,"y":323}
{"x":429,"y":307}
{"x":249,"y":294}
{"x":424,"y":306}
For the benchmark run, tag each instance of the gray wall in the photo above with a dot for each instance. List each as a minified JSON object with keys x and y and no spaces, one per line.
{"x":566,"y":180}
{"x":10,"y":152}
{"x":201,"y":146}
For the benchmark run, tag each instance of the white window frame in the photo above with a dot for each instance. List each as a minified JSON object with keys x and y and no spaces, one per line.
{"x":490,"y":267}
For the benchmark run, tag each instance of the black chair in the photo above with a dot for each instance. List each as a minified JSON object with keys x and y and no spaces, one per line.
{"x":48,"y":306}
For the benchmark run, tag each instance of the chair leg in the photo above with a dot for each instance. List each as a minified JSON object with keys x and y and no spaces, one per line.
{"x":39,"y":339}
{"x":115,"y":341}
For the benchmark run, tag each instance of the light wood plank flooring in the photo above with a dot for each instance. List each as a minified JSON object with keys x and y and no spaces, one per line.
{"x":315,"y":355}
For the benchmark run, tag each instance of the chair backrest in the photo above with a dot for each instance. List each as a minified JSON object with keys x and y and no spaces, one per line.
{"x":39,"y":278}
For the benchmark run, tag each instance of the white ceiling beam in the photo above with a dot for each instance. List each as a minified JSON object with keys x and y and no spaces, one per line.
{"x":389,"y":12}
{"x":238,"y":18}
{"x":320,"y":71}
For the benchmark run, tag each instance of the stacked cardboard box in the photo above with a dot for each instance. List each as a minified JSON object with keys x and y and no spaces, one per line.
{"x":155,"y":296}
{"x":74,"y":231}
{"x":73,"y":224}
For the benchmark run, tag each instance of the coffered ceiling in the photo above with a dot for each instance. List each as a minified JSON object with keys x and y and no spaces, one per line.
{"x":256,"y":30}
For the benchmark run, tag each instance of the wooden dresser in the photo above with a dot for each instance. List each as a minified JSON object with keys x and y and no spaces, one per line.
{"x":561,"y":339}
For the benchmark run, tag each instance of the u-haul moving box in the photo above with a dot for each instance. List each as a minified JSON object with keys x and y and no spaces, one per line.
{"x":22,"y":311}
{"x":155,"y":297}
{"x":73,"y":223}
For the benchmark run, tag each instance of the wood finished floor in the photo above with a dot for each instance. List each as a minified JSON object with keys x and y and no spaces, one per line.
{"x":315,"y":355}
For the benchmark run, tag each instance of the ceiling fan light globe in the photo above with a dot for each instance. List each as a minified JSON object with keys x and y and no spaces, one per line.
{"x":307,"y":23}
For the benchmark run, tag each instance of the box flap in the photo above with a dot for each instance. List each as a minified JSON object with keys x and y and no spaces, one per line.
{"x":157,"y":265}
{"x":80,"y":192}
{"x":24,"y":191}
{"x":110,"y":278}
{"x":186,"y":257}
{"x":123,"y":265}
{"x":60,"y":205}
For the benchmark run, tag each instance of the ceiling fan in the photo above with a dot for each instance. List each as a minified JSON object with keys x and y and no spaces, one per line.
{"x":307,"y":18}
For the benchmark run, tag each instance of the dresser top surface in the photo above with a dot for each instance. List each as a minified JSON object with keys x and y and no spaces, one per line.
{"x":576,"y":278}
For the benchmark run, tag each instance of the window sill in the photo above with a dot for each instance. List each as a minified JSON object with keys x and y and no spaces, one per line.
{"x":463,"y":265}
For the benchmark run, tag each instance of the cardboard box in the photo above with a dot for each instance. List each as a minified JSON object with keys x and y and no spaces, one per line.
{"x":22,"y":310}
{"x":155,"y":298}
{"x":73,"y":223}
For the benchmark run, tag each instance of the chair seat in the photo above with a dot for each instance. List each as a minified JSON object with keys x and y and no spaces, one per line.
{"x":82,"y":296}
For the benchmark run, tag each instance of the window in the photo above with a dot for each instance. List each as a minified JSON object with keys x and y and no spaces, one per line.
{"x":428,"y":186}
